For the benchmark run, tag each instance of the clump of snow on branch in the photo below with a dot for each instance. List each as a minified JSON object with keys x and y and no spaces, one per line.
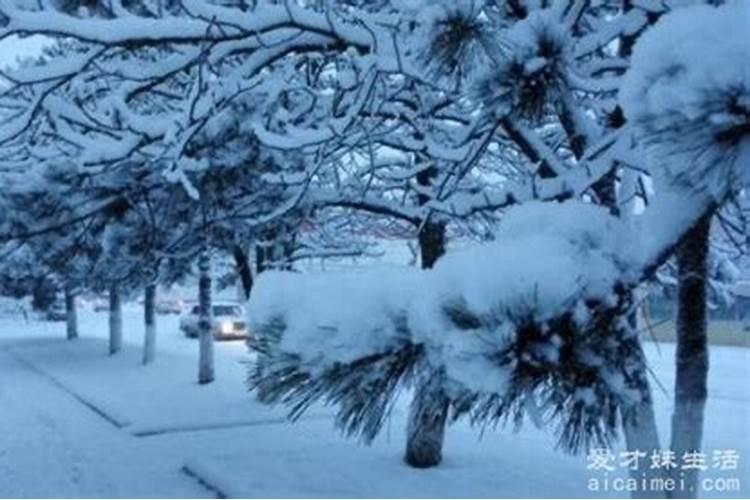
{"x":528,"y":322}
{"x":688,"y":95}
{"x":334,"y":317}
{"x":549,"y":258}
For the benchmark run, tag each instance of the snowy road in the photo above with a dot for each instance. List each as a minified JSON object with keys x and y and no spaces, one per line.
{"x":53,"y":445}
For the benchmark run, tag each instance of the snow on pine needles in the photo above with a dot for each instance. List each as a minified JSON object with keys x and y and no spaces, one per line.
{"x":509,"y":329}
{"x":688,"y":95}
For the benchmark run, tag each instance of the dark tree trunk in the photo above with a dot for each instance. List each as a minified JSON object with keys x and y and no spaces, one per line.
{"x":260,"y":258}
{"x":71,"y":315}
{"x":242,"y":264}
{"x":428,"y":412}
{"x":692,"y":349}
{"x":115,"y":320}
{"x":427,"y":418}
{"x":149,"y":317}
{"x":205,"y":320}
{"x":431,"y":232}
{"x":431,"y":243}
{"x":44,"y":293}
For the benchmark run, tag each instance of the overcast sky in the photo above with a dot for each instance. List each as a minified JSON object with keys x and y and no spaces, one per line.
{"x":13,"y":47}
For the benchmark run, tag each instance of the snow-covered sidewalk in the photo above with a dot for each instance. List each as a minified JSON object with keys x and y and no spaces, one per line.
{"x":85,"y":424}
{"x":147,"y":400}
{"x":314,"y":462}
{"x":53,"y":446}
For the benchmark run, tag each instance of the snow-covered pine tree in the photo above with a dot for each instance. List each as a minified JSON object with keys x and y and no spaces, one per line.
{"x":543,"y":80}
{"x":236,"y":62}
{"x":340,"y":377}
{"x":430,"y":227}
{"x":50,"y":217}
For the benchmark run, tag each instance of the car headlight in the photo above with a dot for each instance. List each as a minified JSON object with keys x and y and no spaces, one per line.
{"x":226,"y":327}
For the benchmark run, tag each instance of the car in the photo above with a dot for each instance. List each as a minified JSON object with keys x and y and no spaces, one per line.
{"x":56,"y":311}
{"x":169,"y":306}
{"x":100,"y":306}
{"x":228,"y":321}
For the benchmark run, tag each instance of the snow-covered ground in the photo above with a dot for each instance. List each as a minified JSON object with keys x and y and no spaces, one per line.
{"x":77,"y":423}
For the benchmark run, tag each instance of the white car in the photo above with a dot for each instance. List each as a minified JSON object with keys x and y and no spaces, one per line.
{"x":169,"y":306}
{"x":228,"y":321}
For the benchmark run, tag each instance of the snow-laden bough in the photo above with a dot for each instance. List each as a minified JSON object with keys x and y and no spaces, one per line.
{"x":688,"y":97}
{"x":536,"y":324}
{"x":529,"y":325}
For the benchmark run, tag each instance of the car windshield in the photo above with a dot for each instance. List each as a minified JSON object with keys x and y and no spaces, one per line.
{"x":222,"y":310}
{"x":226,"y":311}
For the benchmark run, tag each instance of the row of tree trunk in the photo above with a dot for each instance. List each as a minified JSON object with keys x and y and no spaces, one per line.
{"x":206,"y":356}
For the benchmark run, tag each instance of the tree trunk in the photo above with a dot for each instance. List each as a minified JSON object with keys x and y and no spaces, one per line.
{"x":428,"y":412}
{"x":427,"y":418}
{"x":264,"y":250}
{"x":71,"y":315}
{"x":431,"y":243}
{"x":260,"y":258}
{"x":205,"y":333}
{"x":115,"y":320}
{"x":431,"y":233}
{"x":242,"y":264}
{"x":44,"y":294}
{"x":149,"y":313}
{"x":692,"y":350}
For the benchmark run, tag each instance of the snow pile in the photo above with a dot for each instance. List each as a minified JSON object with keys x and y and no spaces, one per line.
{"x":334,"y":317}
{"x":549,"y":258}
{"x":530,"y":320}
{"x":688,"y":95}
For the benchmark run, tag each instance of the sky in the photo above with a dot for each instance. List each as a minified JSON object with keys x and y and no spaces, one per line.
{"x":13,"y":47}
